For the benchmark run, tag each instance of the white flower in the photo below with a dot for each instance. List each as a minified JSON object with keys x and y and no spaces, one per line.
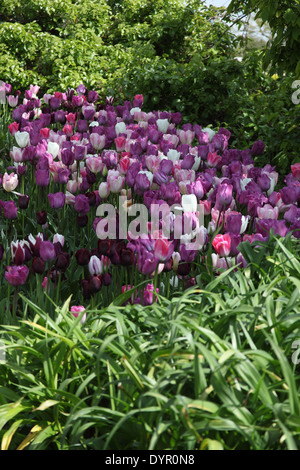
{"x":173,"y":155}
{"x":210,"y":132}
{"x":94,"y":124}
{"x":189,"y":202}
{"x":120,"y":128}
{"x":135,"y":110}
{"x":22,"y":138}
{"x":53,"y":148}
{"x":244,"y":183}
{"x":95,"y":266}
{"x":162,"y":125}
{"x":59,"y":238}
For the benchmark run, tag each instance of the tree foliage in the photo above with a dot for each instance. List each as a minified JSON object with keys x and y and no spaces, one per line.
{"x":282,"y":53}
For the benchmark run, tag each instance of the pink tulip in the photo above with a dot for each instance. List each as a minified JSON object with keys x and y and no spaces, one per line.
{"x":162,"y":249}
{"x":296,"y":171}
{"x":13,"y":127}
{"x":76,"y":310}
{"x":17,"y":154}
{"x":213,"y":159}
{"x":68,"y":130}
{"x":45,"y":132}
{"x":120,"y":143}
{"x":222,"y":244}
{"x":97,"y":141}
{"x":123,"y":165}
{"x":268,"y":212}
{"x":186,"y":137}
{"x":115,"y":181}
{"x":94,"y":164}
{"x":10,"y":182}
{"x":12,"y":100}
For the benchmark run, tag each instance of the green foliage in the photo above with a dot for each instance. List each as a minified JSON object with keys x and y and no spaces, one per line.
{"x":210,"y":368}
{"x":284,"y":20}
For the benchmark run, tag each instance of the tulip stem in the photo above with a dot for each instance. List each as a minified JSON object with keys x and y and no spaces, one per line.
{"x":15,"y":303}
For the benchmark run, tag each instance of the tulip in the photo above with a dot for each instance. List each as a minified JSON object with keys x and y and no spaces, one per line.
{"x":95,"y":266}
{"x":97,"y":141}
{"x":104,"y":190}
{"x":10,"y":182}
{"x":162,"y":249}
{"x":296,"y":171}
{"x":210,"y":133}
{"x":267,"y":212}
{"x":77,"y":310}
{"x":22,"y":139}
{"x":42,"y":177}
{"x":41,"y":217}
{"x":57,"y":200}
{"x":10,"y":210}
{"x":82,"y":256}
{"x":16,"y":275}
{"x":189,"y":202}
{"x":213,"y":159}
{"x":81,"y":204}
{"x":38,"y":265}
{"x":53,"y":149}
{"x":23,"y":201}
{"x":115,"y":181}
{"x":13,"y":127}
{"x":47,"y":251}
{"x":224,"y":196}
{"x":162,"y":125}
{"x":258,"y":148}
{"x":222,"y":244}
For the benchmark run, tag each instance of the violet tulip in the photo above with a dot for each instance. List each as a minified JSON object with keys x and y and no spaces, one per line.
{"x":16,"y":275}
{"x":57,"y":200}
{"x":47,"y":251}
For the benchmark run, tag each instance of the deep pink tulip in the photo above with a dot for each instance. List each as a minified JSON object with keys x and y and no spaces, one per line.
{"x":213,"y":159}
{"x":222,"y":244}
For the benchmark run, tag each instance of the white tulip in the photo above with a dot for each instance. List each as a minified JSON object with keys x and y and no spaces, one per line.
{"x":189,"y":202}
{"x":53,"y":148}
{"x":210,"y":132}
{"x":22,"y":138}
{"x":162,"y":125}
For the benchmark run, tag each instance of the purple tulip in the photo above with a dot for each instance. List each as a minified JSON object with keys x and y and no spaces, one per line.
{"x":81,"y":204}
{"x":92,"y":96}
{"x":16,"y":275}
{"x":233,"y":223}
{"x":47,"y":251}
{"x":79,"y":152}
{"x":67,"y":157}
{"x":42,"y":177}
{"x":63,"y":175}
{"x":258,"y":148}
{"x":57,"y":200}
{"x":224,"y":196}
{"x":10,"y":210}
{"x":82,"y":125}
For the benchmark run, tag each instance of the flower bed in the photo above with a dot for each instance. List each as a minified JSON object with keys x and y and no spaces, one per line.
{"x":99,"y":199}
